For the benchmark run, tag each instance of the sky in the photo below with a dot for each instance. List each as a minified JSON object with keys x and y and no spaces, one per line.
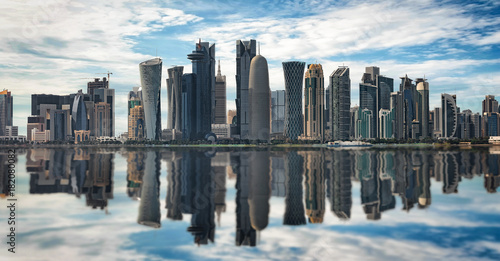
{"x":55,"y":46}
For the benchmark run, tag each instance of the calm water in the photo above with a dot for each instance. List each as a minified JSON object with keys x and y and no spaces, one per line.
{"x":131,"y":204}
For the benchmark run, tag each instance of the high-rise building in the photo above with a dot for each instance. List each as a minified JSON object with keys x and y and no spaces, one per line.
{"x":102,"y":120}
{"x":220,"y":97}
{"x":174,"y":94}
{"x":385,"y":123}
{"x":423,"y":107}
{"x":136,"y":123}
{"x":409,"y":93}
{"x":150,"y":72}
{"x":374,"y":94}
{"x":189,"y":115}
{"x":79,"y":113}
{"x":449,"y":115}
{"x":363,"y":124}
{"x":35,"y":122}
{"x":245,"y":52}
{"x":314,"y":91}
{"x":277,"y":111}
{"x":294,"y":121}
{"x":6,"y":110}
{"x":437,"y":123}
{"x":490,"y":116}
{"x":203,"y":62}
{"x":339,"y":104}
{"x":353,"y":113}
{"x":231,"y":116}
{"x":60,"y":124}
{"x":99,"y":91}
{"x":259,"y":99}
{"x":397,"y":108}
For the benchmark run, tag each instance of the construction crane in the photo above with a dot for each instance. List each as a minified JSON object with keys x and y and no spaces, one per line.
{"x":108,"y":73}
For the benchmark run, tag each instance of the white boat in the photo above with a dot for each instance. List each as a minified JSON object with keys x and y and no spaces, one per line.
{"x":345,"y":144}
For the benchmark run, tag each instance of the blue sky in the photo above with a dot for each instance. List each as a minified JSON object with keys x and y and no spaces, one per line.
{"x":47,"y":46}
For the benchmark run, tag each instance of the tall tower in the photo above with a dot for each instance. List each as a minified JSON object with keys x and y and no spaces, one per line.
{"x":449,"y":115}
{"x":294,"y":121}
{"x":135,"y":114}
{"x":314,"y":92}
{"x":220,"y":98}
{"x":340,"y":103}
{"x":79,"y":113}
{"x":6,"y":113}
{"x":150,"y":72}
{"x":260,"y":99}
{"x":174,"y":94}
{"x":423,"y":107}
{"x":407,"y":89}
{"x":203,"y":61}
{"x":245,"y":52}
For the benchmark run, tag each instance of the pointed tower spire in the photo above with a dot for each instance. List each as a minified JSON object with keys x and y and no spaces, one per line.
{"x":218,"y":70}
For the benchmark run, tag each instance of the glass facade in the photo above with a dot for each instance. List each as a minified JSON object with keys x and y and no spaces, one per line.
{"x":294,"y":75}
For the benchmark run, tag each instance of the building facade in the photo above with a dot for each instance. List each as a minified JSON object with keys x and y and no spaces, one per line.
{"x":449,"y":115}
{"x":260,"y":100}
{"x":150,"y":72}
{"x":220,"y":97}
{"x":245,"y":52}
{"x":277,"y":111}
{"x":340,"y":103}
{"x":6,"y":110}
{"x":314,"y":91}
{"x":294,"y":121}
{"x":174,"y":100}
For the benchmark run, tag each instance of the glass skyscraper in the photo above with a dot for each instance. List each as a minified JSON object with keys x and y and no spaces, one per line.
{"x":340,"y":103}
{"x":150,"y":72}
{"x":294,"y":74}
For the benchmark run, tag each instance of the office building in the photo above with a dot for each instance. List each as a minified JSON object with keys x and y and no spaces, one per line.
{"x":79,"y":113}
{"x":314,"y":91}
{"x":203,"y":106}
{"x":35,"y":122}
{"x":102,"y":120}
{"x":277,"y":111}
{"x":6,"y":110}
{"x":136,"y":123}
{"x":60,"y":124}
{"x":423,"y":107}
{"x":396,"y":106}
{"x":245,"y":52}
{"x":364,"y":120}
{"x":339,"y":104}
{"x":259,"y":99}
{"x":294,"y":122}
{"x":385,"y":123}
{"x":99,"y":91}
{"x":189,"y":115}
{"x":150,"y":72}
{"x":353,"y":114}
{"x":375,"y":94}
{"x":490,"y":116}
{"x":449,"y":115}
{"x":220,"y":98}
{"x":174,"y":98}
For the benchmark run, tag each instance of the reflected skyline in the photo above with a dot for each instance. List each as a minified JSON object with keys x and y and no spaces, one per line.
{"x":196,"y":183}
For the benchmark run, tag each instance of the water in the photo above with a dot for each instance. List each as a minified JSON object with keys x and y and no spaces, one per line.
{"x":237,"y":204}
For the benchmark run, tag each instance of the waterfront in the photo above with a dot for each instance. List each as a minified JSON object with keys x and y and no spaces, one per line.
{"x":289,"y":203}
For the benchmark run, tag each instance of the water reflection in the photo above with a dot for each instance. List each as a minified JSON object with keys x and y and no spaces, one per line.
{"x":196,"y":182}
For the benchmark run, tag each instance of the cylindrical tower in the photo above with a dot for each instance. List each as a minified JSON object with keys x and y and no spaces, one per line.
{"x":149,"y":209}
{"x":260,"y":99}
{"x":150,"y":72}
{"x":294,"y":75}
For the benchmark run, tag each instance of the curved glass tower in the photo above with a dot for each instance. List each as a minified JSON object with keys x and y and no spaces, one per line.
{"x":150,"y":71}
{"x":294,"y":75}
{"x":449,"y":116}
{"x":79,"y":113}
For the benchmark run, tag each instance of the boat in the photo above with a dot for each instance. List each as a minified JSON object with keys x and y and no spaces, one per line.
{"x":346,"y":144}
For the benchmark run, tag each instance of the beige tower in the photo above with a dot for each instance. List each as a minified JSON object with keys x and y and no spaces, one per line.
{"x":314,"y":92}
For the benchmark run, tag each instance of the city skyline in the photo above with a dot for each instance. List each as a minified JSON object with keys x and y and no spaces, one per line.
{"x":463,"y":61}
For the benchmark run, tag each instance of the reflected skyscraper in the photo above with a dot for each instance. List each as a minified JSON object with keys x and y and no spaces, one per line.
{"x":294,"y":206}
{"x":340,"y":184}
{"x":200,"y":191}
{"x":174,"y":191}
{"x":149,"y":208}
{"x":135,"y":173}
{"x":245,"y":233}
{"x":314,"y":166}
{"x":260,"y":190}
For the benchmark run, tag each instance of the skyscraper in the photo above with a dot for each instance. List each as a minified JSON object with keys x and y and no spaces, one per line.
{"x":150,"y":72}
{"x":99,"y":91}
{"x":397,"y":109}
{"x":294,"y":122}
{"x":174,"y":94}
{"x":6,"y":111}
{"x":203,"y":62}
{"x":135,"y":115}
{"x":314,"y":92}
{"x":277,"y":111}
{"x":220,"y":98}
{"x":259,"y":99}
{"x":449,"y":115}
{"x":340,"y":103}
{"x":490,"y":116}
{"x":102,"y":119}
{"x":408,"y":90}
{"x":423,"y":107}
{"x":79,"y":113}
{"x":245,"y":52}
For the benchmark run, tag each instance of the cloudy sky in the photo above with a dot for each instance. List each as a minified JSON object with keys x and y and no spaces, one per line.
{"x":49,"y":46}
